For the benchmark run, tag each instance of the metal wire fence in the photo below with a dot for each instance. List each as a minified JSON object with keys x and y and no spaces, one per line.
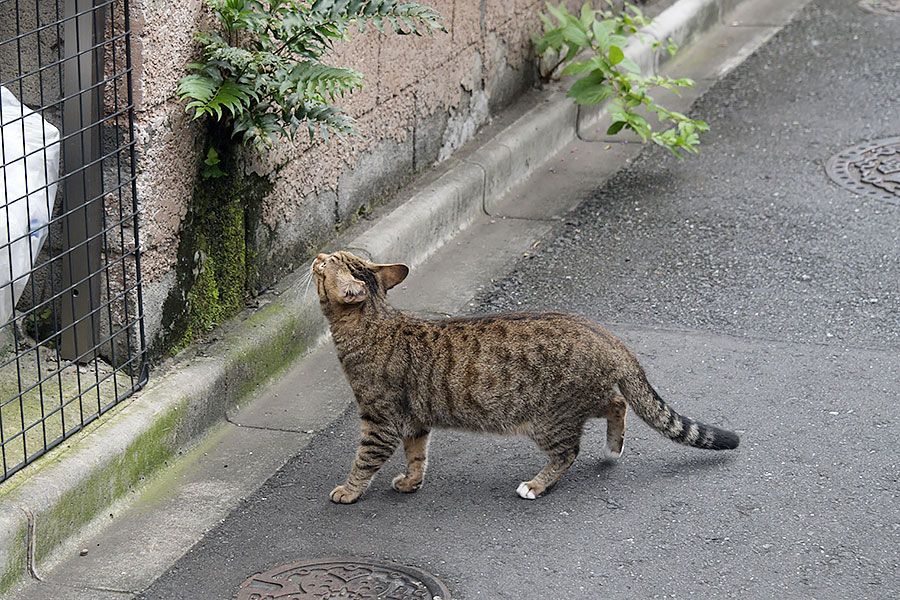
{"x":71,"y":316}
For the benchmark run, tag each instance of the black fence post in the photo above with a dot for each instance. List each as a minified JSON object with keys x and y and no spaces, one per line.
{"x":83,"y":198}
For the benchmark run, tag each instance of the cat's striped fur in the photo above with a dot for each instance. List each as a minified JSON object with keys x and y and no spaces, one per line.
{"x":538,"y":374}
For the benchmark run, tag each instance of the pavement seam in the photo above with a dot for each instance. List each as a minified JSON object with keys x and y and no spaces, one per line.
{"x":31,"y":564}
{"x":30,"y":542}
{"x":529,"y":219}
{"x":228,"y":419}
{"x":484,"y":178}
{"x":578,"y":118}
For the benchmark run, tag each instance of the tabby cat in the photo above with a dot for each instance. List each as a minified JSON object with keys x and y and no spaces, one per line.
{"x":540,"y":374}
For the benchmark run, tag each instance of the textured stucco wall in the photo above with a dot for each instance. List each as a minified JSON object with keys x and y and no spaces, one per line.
{"x":423,"y":98}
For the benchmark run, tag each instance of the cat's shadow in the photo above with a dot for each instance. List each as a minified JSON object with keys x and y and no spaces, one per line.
{"x":671,"y":467}
{"x":692,"y":463}
{"x":485,"y":488}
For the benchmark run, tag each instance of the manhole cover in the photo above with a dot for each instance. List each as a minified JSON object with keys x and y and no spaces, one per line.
{"x":870,"y":169}
{"x":881,"y":7}
{"x":345,"y":579}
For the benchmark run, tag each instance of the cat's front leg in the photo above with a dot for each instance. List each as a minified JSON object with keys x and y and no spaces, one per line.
{"x":376,"y":445}
{"x":416,"y":448}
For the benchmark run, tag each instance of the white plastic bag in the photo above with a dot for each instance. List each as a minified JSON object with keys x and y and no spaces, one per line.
{"x":29,"y":161}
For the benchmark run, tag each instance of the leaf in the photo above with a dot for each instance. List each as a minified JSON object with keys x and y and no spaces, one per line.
{"x":259,"y":129}
{"x":601,"y":31}
{"x":577,"y":68}
{"x":196,"y":86}
{"x":548,"y":24}
{"x":630,"y":65}
{"x":591,"y":89}
{"x":212,"y":157}
{"x":615,"y":128}
{"x":671,"y":47}
{"x":416,"y":17}
{"x":211,"y":98}
{"x":327,"y":116}
{"x":319,"y":81}
{"x":615,"y":55}
{"x":639,"y":125}
{"x":559,"y":12}
{"x":617,"y":112}
{"x":211,"y":168}
{"x":575,"y":33}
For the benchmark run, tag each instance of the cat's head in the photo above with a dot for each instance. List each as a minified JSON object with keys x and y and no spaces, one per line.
{"x":344,"y":281}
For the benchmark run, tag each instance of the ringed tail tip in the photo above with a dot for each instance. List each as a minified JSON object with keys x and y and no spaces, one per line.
{"x":725,"y":440}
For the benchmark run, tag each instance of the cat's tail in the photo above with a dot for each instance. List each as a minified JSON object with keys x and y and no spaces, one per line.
{"x":651,"y":408}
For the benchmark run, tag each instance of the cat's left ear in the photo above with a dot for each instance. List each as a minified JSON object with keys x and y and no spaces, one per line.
{"x":391,"y":275}
{"x":349,"y":289}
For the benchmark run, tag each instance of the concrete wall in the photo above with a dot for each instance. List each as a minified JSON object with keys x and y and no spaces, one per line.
{"x":423,"y":98}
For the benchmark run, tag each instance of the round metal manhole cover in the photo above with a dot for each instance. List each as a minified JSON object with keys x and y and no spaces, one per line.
{"x":881,"y":7}
{"x":344,"y":578}
{"x":871,"y":169}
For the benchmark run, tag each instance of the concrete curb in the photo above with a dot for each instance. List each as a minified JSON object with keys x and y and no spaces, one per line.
{"x":75,"y":482}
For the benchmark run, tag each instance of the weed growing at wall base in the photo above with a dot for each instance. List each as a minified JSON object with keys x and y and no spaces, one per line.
{"x":599,"y":37}
{"x":261,"y":76}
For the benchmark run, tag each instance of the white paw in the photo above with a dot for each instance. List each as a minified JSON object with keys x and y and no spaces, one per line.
{"x":525,"y":492}
{"x":607,"y":452}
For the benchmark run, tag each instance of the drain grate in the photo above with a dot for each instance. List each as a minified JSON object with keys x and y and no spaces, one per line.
{"x":870,"y":169}
{"x":881,"y":7}
{"x":356,"y":579}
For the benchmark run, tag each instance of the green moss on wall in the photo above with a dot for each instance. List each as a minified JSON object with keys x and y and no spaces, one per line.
{"x":219,"y":267}
{"x":211,"y":273}
{"x":16,"y":561}
{"x":78,"y":506}
{"x":140,"y":460}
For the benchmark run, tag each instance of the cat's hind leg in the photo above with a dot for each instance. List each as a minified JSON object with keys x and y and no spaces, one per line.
{"x":614,"y":412}
{"x":561,"y":442}
{"x":376,"y":445}
{"x":416,"y":448}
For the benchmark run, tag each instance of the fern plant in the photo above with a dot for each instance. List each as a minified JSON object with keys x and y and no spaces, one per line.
{"x":608,"y":74}
{"x":261,"y":76}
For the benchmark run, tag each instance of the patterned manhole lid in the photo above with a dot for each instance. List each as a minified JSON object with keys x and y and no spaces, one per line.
{"x":345,"y":578}
{"x":881,"y":7}
{"x":870,"y":169}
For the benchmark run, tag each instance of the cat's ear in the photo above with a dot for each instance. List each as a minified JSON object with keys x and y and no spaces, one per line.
{"x":350,"y":289}
{"x":391,"y":275}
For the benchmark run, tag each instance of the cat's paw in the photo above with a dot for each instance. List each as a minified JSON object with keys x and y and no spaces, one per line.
{"x":610,"y":454}
{"x":405,"y":484}
{"x":525,"y":491}
{"x":341,"y":495}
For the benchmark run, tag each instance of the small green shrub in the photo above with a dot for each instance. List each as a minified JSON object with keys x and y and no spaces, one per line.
{"x":261,"y":76}
{"x":610,"y":75}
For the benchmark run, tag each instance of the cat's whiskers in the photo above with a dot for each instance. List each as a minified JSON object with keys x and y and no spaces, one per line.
{"x":309,"y":277}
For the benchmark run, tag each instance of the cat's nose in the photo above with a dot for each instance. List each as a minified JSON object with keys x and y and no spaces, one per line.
{"x":321,"y":256}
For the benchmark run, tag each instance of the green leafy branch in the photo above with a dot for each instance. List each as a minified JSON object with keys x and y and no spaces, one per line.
{"x":607,"y":74}
{"x":261,"y":75}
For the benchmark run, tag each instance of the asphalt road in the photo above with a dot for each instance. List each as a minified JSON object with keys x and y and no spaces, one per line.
{"x":760,"y":296}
